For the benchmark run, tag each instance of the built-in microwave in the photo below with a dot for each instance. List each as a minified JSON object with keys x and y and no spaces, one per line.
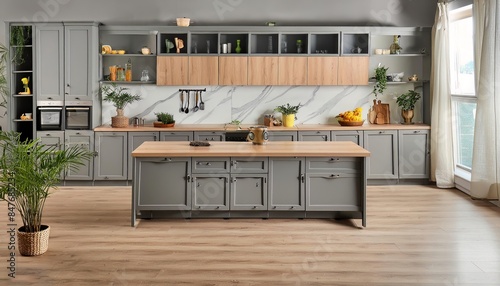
{"x":78,"y":117}
{"x":49,"y":118}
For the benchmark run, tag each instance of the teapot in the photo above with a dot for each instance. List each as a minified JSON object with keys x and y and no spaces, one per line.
{"x":258,"y":135}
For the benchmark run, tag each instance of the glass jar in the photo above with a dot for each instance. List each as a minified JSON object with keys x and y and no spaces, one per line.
{"x":120,"y":74}
{"x":128,"y":70}
{"x":145,"y":75}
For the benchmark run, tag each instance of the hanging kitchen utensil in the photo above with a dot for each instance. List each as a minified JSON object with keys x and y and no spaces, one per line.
{"x":182,"y":102}
{"x":202,"y":104}
{"x":187,"y":106}
{"x":196,"y":101}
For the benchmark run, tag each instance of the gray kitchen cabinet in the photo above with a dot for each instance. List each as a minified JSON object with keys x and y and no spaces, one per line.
{"x":248,"y":192}
{"x":85,"y":139}
{"x":80,"y":62}
{"x":176,"y":136}
{"x":66,"y":56}
{"x":210,"y":192}
{"x":355,"y":136}
{"x":209,"y":136}
{"x":334,"y":184}
{"x":314,"y":135}
{"x":164,"y":184}
{"x":249,"y":165}
{"x":212,"y":165}
{"x":50,"y":63}
{"x":110,"y":162}
{"x":383,"y":160}
{"x":283,"y":136}
{"x":51,"y":139}
{"x":135,"y":139}
{"x":286,"y":184}
{"x":413,"y":154}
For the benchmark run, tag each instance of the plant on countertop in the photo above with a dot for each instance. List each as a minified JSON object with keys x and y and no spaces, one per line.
{"x":288,"y":109}
{"x":165,"y":118}
{"x":118,"y":95}
{"x":29,"y":170}
{"x":380,"y":80}
{"x":407,"y":100}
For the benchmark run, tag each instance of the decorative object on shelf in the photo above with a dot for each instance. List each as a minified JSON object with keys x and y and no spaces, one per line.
{"x":145,"y":76}
{"x":164,"y":120}
{"x":168,"y":45}
{"x":145,"y":51}
{"x":128,"y":70}
{"x":258,"y":135}
{"x":106,"y":49}
{"x":268,"y":120}
{"x":120,"y":98}
{"x":112,"y":73}
{"x":414,"y":77}
{"x":299,"y":46}
{"x":224,"y":48}
{"x":238,"y":46}
{"x":407,"y":103}
{"x":25,"y":81}
{"x":271,"y":24}
{"x":208,"y":46}
{"x":379,"y":113}
{"x":356,"y":50}
{"x":179,"y":44}
{"x":351,"y":117}
{"x":120,"y":74}
{"x":288,"y":113}
{"x":395,"y":48}
{"x":26,"y":116}
{"x":270,"y":44}
{"x":386,"y":52}
{"x":396,"y":77}
{"x":380,"y":80}
{"x":114,"y":52}
{"x":284,"y":46}
{"x":29,"y":171}
{"x":378,"y":51}
{"x":183,"y":22}
{"x":121,"y":52}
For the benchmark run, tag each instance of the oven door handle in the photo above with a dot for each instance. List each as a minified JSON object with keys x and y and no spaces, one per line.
{"x":50,"y":108}
{"x":77,"y":108}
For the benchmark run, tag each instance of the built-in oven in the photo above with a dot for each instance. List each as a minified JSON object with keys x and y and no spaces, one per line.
{"x":49,"y":118}
{"x":78,"y":117}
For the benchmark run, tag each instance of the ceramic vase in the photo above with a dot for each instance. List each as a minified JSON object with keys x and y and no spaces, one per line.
{"x":407,"y":116}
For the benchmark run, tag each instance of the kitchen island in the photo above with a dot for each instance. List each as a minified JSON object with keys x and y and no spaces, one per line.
{"x":244,"y":180}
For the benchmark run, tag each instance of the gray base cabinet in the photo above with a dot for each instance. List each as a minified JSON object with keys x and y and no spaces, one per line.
{"x":135,"y":139}
{"x":348,"y":135}
{"x":51,"y":139}
{"x":84,"y":139}
{"x":414,"y":154}
{"x":283,"y":136}
{"x":383,"y":160}
{"x":176,"y":136}
{"x":314,"y":136}
{"x":164,"y":184}
{"x":248,"y":192}
{"x":210,"y":192}
{"x":209,"y":136}
{"x":110,"y":162}
{"x":286,"y":184}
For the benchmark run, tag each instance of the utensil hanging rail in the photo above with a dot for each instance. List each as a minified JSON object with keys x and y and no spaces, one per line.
{"x":188,"y":90}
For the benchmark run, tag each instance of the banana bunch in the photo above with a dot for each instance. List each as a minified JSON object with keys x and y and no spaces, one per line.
{"x":351,"y":115}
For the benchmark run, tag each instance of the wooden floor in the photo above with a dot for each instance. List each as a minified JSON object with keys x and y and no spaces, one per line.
{"x":416,"y":235}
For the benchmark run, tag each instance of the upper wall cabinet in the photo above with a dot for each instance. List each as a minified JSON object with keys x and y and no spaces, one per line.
{"x":135,"y":47}
{"x":172,"y":70}
{"x":50,"y":65}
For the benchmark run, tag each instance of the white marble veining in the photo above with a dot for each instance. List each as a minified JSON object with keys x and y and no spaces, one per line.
{"x":248,"y":104}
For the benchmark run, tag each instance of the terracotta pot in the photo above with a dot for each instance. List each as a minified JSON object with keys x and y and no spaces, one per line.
{"x":161,"y":125}
{"x":407,"y":116}
{"x":33,"y":243}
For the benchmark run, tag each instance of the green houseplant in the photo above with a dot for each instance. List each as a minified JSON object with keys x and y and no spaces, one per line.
{"x":28,"y":172}
{"x":120,"y":97}
{"x":164,"y":120}
{"x":4,"y":87}
{"x":380,"y":80}
{"x":406,"y":102}
{"x":288,"y":113}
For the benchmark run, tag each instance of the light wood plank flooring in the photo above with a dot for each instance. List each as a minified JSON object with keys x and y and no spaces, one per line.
{"x":416,"y":235}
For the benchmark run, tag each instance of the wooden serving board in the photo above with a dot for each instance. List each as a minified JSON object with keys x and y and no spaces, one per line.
{"x":382,"y":114}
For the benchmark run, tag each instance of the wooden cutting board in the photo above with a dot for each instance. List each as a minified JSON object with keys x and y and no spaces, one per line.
{"x":382,"y":112}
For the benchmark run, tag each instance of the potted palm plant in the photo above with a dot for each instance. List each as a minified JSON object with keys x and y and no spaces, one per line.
{"x":120,"y":97}
{"x":164,"y":120}
{"x":288,"y":113}
{"x":29,"y":170}
{"x":407,"y":102}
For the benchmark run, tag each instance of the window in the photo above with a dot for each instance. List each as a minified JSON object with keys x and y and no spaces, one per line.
{"x":462,"y":85}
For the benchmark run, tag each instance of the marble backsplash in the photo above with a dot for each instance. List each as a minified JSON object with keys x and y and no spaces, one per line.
{"x":248,"y":104}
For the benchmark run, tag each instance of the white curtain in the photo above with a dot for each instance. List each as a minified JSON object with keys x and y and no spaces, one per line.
{"x":486,"y":154}
{"x":442,"y":164}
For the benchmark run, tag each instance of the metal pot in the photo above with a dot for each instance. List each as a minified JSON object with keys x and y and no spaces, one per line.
{"x":258,"y":135}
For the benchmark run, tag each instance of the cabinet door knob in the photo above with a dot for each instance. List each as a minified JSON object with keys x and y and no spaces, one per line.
{"x":416,"y":131}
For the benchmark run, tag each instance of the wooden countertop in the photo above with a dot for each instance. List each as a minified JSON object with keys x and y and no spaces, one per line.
{"x":300,"y":127}
{"x":247,"y":149}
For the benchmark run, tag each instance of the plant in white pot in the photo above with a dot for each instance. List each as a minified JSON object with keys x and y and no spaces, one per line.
{"x":120,"y":97}
{"x":29,"y":170}
{"x":406,"y":102}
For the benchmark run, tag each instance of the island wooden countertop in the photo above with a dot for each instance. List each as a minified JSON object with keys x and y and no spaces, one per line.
{"x":247,"y":149}
{"x":300,"y":127}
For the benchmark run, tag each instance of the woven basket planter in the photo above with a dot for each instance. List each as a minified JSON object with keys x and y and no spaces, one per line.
{"x":119,"y":121}
{"x":33,"y":243}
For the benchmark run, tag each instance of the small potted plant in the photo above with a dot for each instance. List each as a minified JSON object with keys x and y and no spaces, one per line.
{"x":120,"y":97}
{"x":406,"y":102}
{"x":378,"y":88}
{"x":288,"y":113}
{"x":164,"y":120}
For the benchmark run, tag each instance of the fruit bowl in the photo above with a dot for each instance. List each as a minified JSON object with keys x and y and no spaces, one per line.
{"x":351,"y":123}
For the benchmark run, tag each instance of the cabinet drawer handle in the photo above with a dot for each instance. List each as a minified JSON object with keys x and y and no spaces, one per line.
{"x":218,"y":207}
{"x":254,"y":207}
{"x":381,"y":132}
{"x":302,"y":178}
{"x":274,"y":207}
{"x":332,"y":176}
{"x":291,"y":207}
{"x":416,"y":131}
{"x":334,"y":159}
{"x":208,"y":164}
